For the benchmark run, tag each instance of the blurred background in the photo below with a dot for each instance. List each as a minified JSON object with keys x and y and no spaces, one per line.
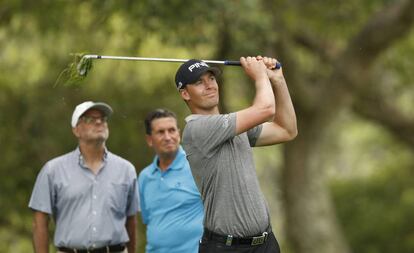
{"x":345,"y":184}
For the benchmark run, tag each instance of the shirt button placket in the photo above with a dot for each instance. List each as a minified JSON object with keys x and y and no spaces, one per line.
{"x":93,"y":211}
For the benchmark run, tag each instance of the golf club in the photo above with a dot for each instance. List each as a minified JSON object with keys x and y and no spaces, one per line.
{"x":85,"y":63}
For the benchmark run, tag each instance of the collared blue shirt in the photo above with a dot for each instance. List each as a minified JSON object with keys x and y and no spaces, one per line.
{"x":89,"y":210}
{"x":171,"y":207}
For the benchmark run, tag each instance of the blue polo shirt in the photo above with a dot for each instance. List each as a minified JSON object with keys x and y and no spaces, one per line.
{"x":171,"y":207}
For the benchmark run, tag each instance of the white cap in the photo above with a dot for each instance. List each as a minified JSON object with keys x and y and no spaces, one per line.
{"x":82,"y":108}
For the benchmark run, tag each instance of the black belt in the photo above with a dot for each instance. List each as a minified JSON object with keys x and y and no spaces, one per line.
{"x":107,"y":249}
{"x":230,"y":240}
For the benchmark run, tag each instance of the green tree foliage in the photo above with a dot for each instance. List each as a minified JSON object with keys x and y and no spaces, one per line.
{"x":376,"y":212}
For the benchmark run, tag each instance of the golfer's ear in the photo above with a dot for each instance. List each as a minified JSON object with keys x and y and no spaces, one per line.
{"x":184,"y":94}
{"x":75,"y":131}
{"x":149,"y":140}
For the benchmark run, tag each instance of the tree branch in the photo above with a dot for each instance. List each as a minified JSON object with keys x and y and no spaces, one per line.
{"x":375,"y":106}
{"x":351,"y":70}
{"x":389,"y":25}
{"x":322,"y":49}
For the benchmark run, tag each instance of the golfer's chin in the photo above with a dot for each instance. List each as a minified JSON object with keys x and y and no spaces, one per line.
{"x":170,"y":150}
{"x":210,"y":103}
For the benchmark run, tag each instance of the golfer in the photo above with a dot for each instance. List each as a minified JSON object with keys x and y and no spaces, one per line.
{"x":90,"y":192}
{"x":218,"y":148}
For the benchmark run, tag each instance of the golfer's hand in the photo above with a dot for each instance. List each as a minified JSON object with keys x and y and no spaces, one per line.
{"x":255,"y":69}
{"x":271,"y":71}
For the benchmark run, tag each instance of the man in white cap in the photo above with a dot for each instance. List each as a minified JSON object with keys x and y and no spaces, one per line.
{"x":90,"y":192}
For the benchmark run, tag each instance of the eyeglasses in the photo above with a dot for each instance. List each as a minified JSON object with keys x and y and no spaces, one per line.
{"x":93,"y":120}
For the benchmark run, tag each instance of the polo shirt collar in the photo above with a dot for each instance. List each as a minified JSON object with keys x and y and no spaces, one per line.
{"x":175,"y":165}
{"x":192,"y":117}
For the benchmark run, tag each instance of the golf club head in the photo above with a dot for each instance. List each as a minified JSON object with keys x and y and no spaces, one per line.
{"x":84,"y":65}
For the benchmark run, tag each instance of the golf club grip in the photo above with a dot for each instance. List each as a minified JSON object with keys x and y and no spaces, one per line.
{"x":237,"y":63}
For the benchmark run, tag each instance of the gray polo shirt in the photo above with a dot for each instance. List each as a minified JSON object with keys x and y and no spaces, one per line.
{"x":224,"y":171}
{"x":89,"y":210}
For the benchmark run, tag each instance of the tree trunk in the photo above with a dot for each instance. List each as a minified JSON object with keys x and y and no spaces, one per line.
{"x":312,"y":226}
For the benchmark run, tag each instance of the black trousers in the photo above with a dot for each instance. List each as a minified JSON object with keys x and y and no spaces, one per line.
{"x":270,"y":246}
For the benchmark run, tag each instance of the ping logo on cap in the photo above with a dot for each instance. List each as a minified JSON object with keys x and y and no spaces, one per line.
{"x":190,"y":71}
{"x":197,"y":65}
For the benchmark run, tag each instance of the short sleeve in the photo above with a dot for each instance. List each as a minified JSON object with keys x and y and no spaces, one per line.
{"x":209,"y":132}
{"x":253,"y":134}
{"x":144,"y":211}
{"x":42,"y":194}
{"x":133,"y":200}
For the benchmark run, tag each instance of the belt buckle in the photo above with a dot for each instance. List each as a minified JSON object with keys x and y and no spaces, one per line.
{"x":257,"y":240}
{"x":229,"y":240}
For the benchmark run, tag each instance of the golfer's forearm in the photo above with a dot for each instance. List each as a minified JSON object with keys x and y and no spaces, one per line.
{"x":285,"y":115}
{"x":264,"y":101}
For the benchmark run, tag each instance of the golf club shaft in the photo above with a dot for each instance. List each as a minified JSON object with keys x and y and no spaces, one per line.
{"x":225,"y":62}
